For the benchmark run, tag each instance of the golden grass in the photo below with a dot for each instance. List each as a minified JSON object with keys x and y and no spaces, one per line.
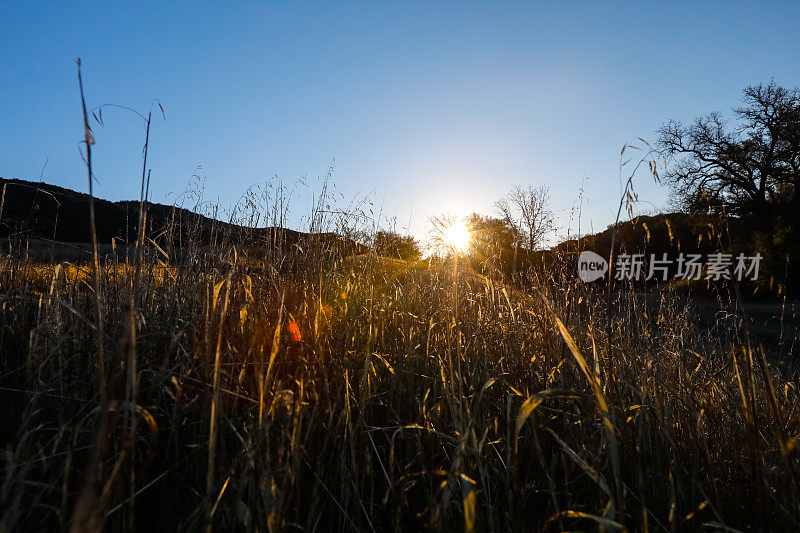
{"x":322,"y":392}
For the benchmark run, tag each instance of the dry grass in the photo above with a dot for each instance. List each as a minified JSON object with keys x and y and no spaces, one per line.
{"x":329,"y":392}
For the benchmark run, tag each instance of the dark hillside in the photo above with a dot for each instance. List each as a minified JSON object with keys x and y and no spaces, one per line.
{"x":40,"y":211}
{"x":670,"y":233}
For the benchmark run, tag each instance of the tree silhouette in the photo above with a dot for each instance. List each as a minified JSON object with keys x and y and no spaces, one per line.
{"x":752,"y":168}
{"x":527,"y":210}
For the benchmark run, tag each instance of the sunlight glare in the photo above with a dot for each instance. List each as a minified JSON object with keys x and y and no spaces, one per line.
{"x":458,"y":236}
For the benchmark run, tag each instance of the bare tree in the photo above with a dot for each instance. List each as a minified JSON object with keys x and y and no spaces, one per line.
{"x":752,"y":167}
{"x":527,"y":210}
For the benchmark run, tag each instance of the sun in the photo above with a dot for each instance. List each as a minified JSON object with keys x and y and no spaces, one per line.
{"x":457,"y":236}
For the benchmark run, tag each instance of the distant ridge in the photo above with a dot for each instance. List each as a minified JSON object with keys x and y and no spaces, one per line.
{"x":48,"y":212}
{"x":43,"y":211}
{"x":669,"y":233}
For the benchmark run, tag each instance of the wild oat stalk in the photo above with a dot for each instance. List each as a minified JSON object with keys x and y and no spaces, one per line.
{"x":98,"y":297}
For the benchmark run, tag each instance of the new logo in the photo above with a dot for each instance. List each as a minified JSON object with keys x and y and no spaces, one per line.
{"x":591,"y":266}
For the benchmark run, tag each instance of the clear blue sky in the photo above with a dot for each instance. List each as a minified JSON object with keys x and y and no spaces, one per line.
{"x":431,"y":106}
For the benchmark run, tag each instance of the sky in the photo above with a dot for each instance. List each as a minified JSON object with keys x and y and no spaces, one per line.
{"x":422,"y":108}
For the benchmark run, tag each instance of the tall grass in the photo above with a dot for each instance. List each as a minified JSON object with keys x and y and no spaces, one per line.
{"x":317,"y":390}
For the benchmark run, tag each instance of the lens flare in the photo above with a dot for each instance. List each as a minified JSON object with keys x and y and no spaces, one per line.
{"x":458,"y":236}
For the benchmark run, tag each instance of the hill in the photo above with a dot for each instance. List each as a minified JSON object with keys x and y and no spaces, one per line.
{"x":41,"y":211}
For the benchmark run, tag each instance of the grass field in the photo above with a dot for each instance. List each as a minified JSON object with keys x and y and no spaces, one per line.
{"x":312,"y":390}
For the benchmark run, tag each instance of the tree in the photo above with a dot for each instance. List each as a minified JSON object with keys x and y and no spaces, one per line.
{"x":392,"y":244}
{"x":752,"y":168}
{"x":494,"y":233}
{"x":494,"y":241}
{"x":527,"y":210}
